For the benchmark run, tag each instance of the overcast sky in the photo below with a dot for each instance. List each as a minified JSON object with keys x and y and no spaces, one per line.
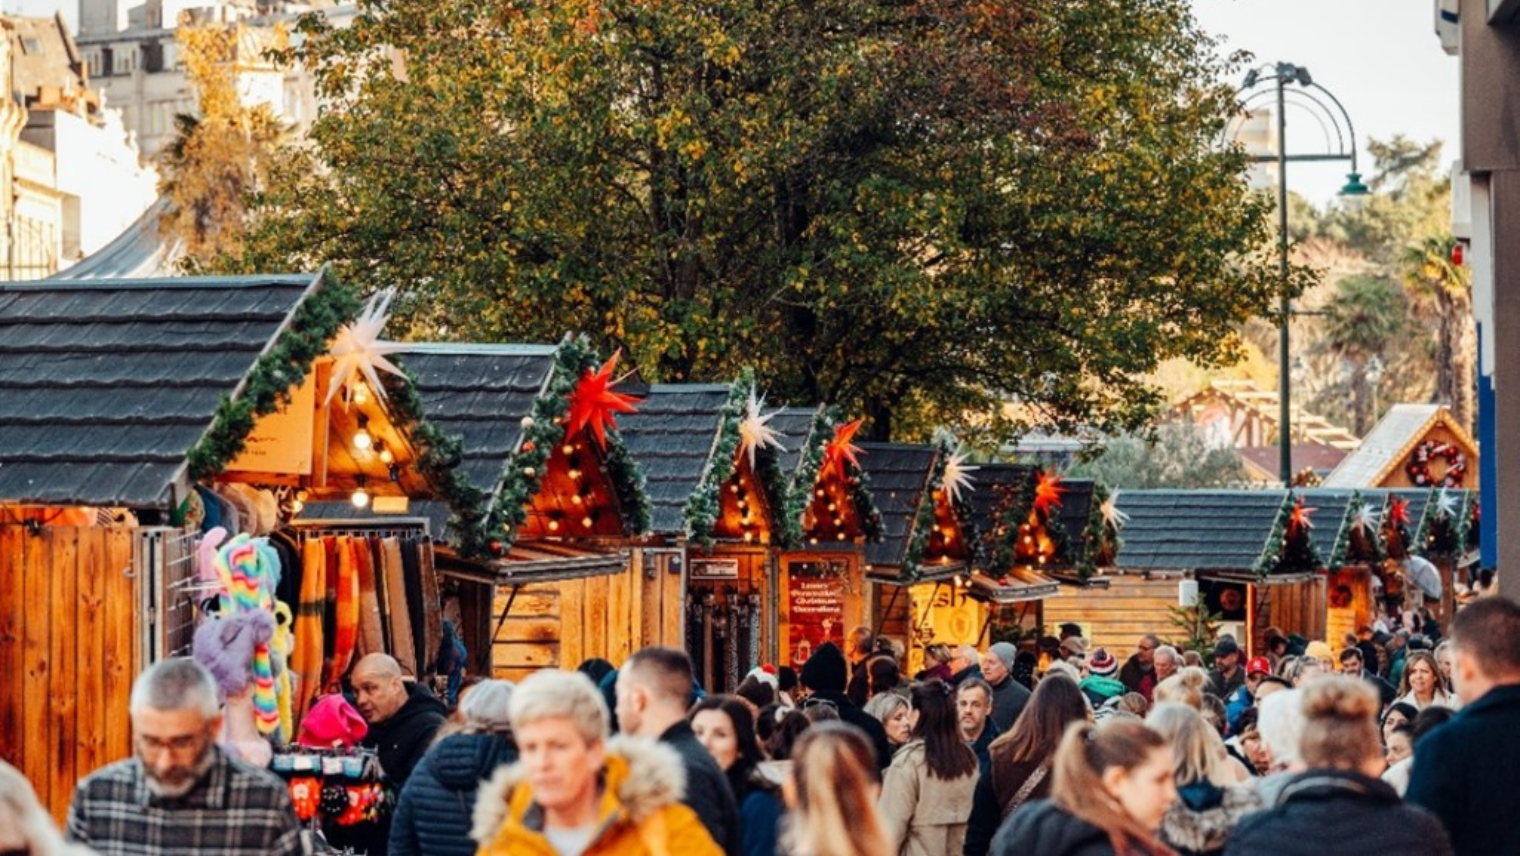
{"x":1381,"y":58}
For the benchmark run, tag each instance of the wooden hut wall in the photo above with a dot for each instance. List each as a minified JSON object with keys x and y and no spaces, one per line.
{"x":560,"y":624}
{"x":1348,"y":602}
{"x":70,"y":647}
{"x":892,"y":611}
{"x":1292,"y":607}
{"x":1115,"y":618}
{"x":731,"y":571}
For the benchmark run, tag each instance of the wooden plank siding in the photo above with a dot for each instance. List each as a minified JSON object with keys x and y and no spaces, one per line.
{"x":69,"y":630}
{"x":1298,"y":607}
{"x":561,"y":624}
{"x":1115,"y":618}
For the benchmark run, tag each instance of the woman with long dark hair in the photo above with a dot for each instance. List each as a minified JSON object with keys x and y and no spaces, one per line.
{"x":1113,"y":785}
{"x":1020,"y":759}
{"x":928,"y":788}
{"x":724,"y":726}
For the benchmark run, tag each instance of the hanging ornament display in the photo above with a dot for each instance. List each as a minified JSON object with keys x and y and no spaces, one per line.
{"x":1299,"y":520}
{"x":957,"y":475}
{"x":358,"y":352}
{"x":842,"y":448}
{"x":1047,"y":493}
{"x":1112,"y":516}
{"x":594,"y":404}
{"x":754,"y":429}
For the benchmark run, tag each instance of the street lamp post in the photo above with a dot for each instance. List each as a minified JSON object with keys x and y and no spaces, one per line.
{"x":1312,"y":97}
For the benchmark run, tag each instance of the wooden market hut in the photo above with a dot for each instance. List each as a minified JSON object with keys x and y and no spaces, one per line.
{"x":1249,"y":553}
{"x":720,"y":515}
{"x":541,"y":555}
{"x":1348,"y":539}
{"x":116,"y":398}
{"x":1413,"y":446}
{"x":917,"y":575}
{"x":830,"y":517}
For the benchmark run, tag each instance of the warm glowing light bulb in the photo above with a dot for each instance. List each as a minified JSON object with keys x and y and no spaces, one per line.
{"x":386,"y":456}
{"x":553,"y":525}
{"x":362,"y":439}
{"x":360,"y":498}
{"x":586,"y":522}
{"x":361,"y":393}
{"x":576,"y":498}
{"x":567,"y":449}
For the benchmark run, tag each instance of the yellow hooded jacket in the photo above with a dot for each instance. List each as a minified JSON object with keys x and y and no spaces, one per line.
{"x":641,"y":813}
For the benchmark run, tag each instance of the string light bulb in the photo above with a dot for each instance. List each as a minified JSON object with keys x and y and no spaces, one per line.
{"x":362,"y":440}
{"x":553,"y":525}
{"x":361,"y":393}
{"x":360,"y":496}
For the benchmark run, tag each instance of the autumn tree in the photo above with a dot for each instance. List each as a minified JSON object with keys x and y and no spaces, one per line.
{"x":219,"y":155}
{"x":916,"y":210}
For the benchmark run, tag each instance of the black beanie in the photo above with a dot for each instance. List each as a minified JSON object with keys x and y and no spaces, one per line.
{"x":825,"y":671}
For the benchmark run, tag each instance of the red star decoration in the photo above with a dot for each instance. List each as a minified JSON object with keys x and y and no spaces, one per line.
{"x":1047,"y":494}
{"x":593,"y":404}
{"x":1398,"y":512}
{"x":1299,"y":520}
{"x":841,"y":449}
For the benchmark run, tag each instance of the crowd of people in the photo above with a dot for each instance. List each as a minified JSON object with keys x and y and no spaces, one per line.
{"x":1397,"y":743}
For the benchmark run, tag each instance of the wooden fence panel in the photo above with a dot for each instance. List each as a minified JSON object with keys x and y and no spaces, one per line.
{"x":12,"y":630}
{"x":92,"y":713}
{"x":63,"y":677}
{"x":36,"y":639}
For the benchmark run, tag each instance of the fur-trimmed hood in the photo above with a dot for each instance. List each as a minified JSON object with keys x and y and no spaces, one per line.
{"x":642,"y":777}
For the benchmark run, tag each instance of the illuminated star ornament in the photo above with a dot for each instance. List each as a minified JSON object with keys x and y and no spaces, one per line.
{"x":842,"y":448}
{"x":358,"y":351}
{"x":594,"y":404}
{"x":957,"y":475}
{"x":1446,"y":504}
{"x":1368,"y":518}
{"x":1398,"y":512}
{"x":1298,"y":520}
{"x":754,"y":430}
{"x":1047,"y":493}
{"x":1112,"y":516}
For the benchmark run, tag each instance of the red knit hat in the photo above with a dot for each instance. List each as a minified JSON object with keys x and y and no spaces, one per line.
{"x":332,"y":721}
{"x":1102,"y":663}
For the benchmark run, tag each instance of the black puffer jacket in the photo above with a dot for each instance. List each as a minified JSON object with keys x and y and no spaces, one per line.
{"x":434,"y":813}
{"x":401,"y":740}
{"x":1040,"y":827}
{"x":1333,"y":810}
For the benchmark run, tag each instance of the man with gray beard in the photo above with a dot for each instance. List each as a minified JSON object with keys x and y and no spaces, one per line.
{"x":181,"y":794}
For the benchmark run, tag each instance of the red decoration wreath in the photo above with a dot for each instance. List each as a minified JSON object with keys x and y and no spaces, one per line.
{"x":1418,"y":467}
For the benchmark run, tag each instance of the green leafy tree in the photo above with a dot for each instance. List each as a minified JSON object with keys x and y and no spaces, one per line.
{"x":1178,"y":455}
{"x":915,"y":210}
{"x":1363,"y":321}
{"x":220,"y":156}
{"x":1446,"y":290}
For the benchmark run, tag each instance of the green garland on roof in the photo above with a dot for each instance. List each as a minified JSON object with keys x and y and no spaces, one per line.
{"x":542,"y":431}
{"x":1101,"y":540}
{"x":865,"y":504}
{"x":1442,"y":536}
{"x":282,"y":368}
{"x":705,"y":503}
{"x":1373,"y":548}
{"x":923,"y":522}
{"x":800,"y":490}
{"x":1011,"y":511}
{"x":438,"y":457}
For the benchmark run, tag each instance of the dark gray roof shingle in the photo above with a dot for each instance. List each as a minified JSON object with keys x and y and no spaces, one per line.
{"x":793,"y":425}
{"x":671,"y":437}
{"x":1198,"y":530}
{"x":105,"y":385}
{"x":897,"y":475}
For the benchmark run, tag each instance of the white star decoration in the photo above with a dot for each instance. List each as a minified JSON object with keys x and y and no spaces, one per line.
{"x":1446,"y":504}
{"x":1368,"y":518}
{"x":754,"y":429}
{"x":358,"y":350}
{"x":1112,"y":516}
{"x":957,"y":475}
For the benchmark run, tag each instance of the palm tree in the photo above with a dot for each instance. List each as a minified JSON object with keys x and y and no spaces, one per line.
{"x":1365,"y":318}
{"x":1447,"y":288}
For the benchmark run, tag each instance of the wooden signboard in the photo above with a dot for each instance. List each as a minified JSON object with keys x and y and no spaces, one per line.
{"x":715,"y":569}
{"x":815,"y":607}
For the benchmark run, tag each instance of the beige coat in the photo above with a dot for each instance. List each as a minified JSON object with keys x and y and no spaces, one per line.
{"x":922,"y":815}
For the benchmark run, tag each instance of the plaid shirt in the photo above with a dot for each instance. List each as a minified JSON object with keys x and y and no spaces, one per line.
{"x":234,"y":809}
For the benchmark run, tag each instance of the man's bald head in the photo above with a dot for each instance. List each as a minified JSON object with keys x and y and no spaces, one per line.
{"x":378,"y":689}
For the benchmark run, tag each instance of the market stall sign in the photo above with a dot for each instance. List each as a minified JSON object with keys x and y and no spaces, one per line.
{"x":715,"y":569}
{"x":815,"y":607}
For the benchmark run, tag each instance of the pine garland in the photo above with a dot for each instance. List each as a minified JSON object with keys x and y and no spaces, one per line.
{"x":1101,"y":539}
{"x":317,"y":318}
{"x":704,"y":504}
{"x":810,"y":461}
{"x":1443,"y":536}
{"x":923,"y":522}
{"x":1283,"y":554}
{"x":543,"y":430}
